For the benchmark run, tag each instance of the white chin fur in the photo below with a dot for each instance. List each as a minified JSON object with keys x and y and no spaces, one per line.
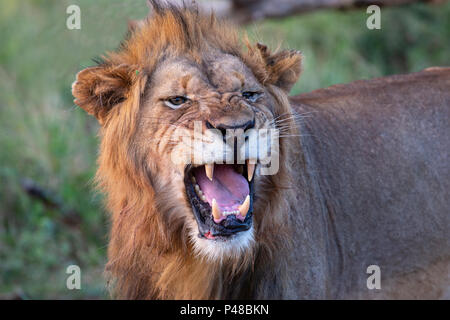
{"x":215,"y":250}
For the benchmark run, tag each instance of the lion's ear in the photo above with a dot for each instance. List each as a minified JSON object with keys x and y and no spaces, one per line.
{"x":134,"y":25}
{"x":283,"y":68}
{"x":98,"y":89}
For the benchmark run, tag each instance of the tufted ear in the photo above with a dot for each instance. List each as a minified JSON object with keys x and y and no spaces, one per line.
{"x":134,"y":25}
{"x":98,"y":89}
{"x":283,"y":68}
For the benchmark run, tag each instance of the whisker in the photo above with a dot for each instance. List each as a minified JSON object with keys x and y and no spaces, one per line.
{"x":293,"y":118}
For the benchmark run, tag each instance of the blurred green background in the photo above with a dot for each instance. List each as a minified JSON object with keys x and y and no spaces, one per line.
{"x":48,"y":146}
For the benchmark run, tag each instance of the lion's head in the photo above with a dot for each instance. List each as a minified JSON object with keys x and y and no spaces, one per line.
{"x":181,"y":85}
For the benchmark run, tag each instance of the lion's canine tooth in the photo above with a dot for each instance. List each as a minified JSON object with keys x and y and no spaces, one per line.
{"x":217,"y":214}
{"x":209,"y":169}
{"x":243,"y":208}
{"x":193,"y":179}
{"x":197,"y":188}
{"x":250,"y":170}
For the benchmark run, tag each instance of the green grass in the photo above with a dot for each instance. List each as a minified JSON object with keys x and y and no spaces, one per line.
{"x":46,"y":138}
{"x":338,"y":48}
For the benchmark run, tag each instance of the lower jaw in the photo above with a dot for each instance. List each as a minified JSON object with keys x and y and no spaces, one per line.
{"x":232,"y":249}
{"x":228,"y":228}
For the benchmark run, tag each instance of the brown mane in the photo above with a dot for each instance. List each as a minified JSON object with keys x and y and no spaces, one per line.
{"x":149,"y":255}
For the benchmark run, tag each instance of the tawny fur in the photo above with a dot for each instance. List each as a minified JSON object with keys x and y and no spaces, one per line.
{"x":297,"y":252}
{"x":150,"y":255}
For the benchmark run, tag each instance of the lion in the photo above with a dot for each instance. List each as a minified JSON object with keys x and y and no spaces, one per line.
{"x":361,"y":176}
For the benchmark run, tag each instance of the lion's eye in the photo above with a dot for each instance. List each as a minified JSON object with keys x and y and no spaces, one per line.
{"x":175,"y":102}
{"x":251,"y":95}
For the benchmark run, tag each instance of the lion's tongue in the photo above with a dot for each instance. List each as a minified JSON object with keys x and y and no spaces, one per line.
{"x":228,"y":187}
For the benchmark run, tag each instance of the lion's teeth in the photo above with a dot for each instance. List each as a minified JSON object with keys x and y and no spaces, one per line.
{"x":243,"y":208}
{"x":198,"y":191}
{"x":203,"y":198}
{"x":227,"y":213}
{"x":250,"y":170}
{"x":193,"y":179}
{"x":217,"y":214}
{"x":209,"y":169}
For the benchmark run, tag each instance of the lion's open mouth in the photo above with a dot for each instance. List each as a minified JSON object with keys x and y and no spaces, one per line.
{"x":221,"y":196}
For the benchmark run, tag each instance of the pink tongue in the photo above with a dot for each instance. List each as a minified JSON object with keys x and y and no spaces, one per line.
{"x":228,"y":187}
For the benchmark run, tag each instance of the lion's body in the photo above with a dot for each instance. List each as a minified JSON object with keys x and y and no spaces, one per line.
{"x":378,"y":153}
{"x":362,"y":179}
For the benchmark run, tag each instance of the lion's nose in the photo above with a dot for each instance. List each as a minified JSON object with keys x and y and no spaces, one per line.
{"x":232,"y":125}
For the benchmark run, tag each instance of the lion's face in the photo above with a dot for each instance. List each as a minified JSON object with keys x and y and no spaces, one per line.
{"x":205,"y":121}
{"x":188,"y":119}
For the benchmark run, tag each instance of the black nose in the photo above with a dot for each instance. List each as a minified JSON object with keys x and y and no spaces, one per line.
{"x":223,"y":127}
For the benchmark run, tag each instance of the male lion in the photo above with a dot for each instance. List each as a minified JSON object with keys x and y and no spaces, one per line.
{"x":362,"y":176}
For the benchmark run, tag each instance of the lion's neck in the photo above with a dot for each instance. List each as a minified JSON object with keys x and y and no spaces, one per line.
{"x":192,"y":278}
{"x":178,"y":276}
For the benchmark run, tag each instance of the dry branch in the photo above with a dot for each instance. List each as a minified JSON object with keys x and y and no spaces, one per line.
{"x":68,"y":216}
{"x":246,"y":11}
